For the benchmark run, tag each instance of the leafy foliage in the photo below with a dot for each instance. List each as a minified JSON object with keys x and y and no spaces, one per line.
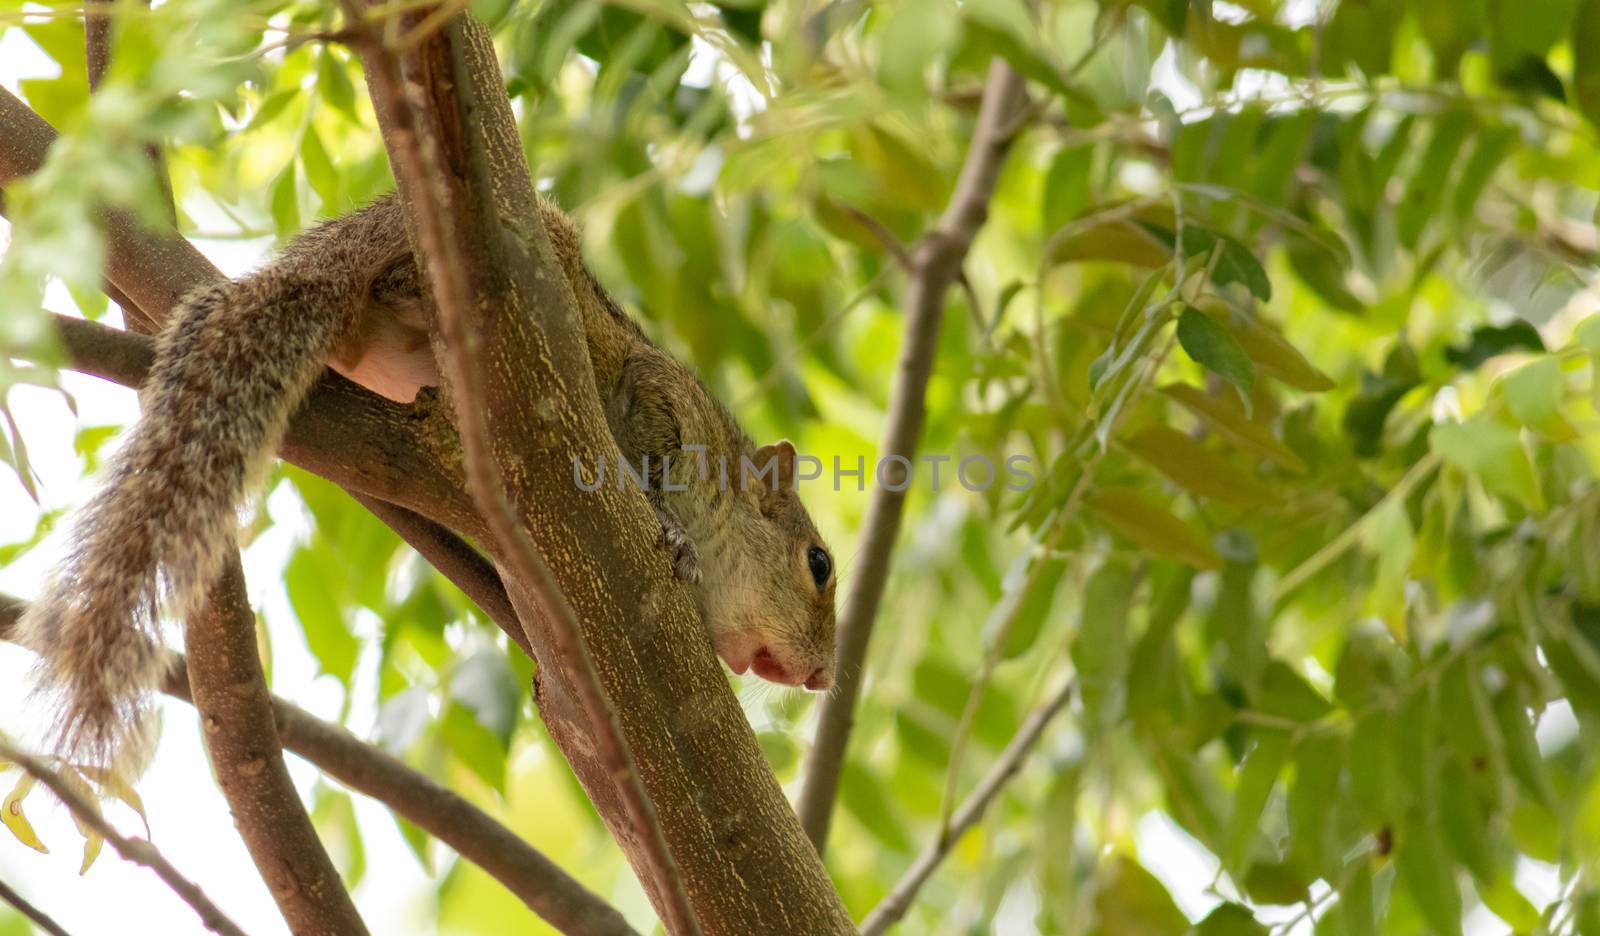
{"x":1285,"y":303}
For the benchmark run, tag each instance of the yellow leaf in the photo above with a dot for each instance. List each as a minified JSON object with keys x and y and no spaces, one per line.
{"x":11,"y":814}
{"x":91,"y":850}
{"x":1227,"y":417}
{"x":1196,"y":468}
{"x":114,"y":786}
{"x":72,"y":778}
{"x":1152,"y":526}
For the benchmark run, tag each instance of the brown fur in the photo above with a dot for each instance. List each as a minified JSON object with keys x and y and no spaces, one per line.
{"x":233,"y":364}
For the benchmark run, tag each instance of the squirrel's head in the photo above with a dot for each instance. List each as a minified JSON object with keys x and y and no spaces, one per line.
{"x":771,"y":605}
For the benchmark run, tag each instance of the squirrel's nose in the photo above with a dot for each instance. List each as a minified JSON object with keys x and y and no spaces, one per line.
{"x":820,"y":680}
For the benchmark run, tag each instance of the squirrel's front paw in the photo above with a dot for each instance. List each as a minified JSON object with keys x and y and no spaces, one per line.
{"x":675,"y":539}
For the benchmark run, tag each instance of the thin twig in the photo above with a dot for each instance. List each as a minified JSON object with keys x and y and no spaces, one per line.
{"x":905,"y":260}
{"x":938,"y":259}
{"x":36,"y":916}
{"x":894,"y":906}
{"x":138,"y":851}
{"x":435,"y":214}
{"x":475,"y":835}
{"x":1351,"y":535}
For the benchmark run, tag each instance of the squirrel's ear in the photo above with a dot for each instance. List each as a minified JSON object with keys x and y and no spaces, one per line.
{"x":782,"y":452}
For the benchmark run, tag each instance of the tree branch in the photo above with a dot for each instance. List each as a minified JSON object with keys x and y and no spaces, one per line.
{"x":745,"y":863}
{"x":452,"y":819}
{"x":937,"y":263}
{"x":230,"y":692}
{"x":138,"y":851}
{"x":35,"y":916}
{"x":439,"y":215}
{"x":894,"y":906}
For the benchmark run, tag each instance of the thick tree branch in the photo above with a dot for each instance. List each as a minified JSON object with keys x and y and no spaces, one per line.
{"x":241,"y":736}
{"x":138,"y":851}
{"x":439,"y":215}
{"x":937,"y":264}
{"x":894,"y":906}
{"x":472,"y":833}
{"x":746,"y":865}
{"x":34,"y":915}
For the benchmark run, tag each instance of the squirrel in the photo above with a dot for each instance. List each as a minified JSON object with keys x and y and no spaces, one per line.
{"x":235,"y":361}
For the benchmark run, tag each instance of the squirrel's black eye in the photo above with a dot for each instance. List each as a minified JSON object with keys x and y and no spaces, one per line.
{"x":821,"y":565}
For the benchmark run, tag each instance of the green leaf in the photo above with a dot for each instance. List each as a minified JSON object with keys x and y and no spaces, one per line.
{"x":1214,"y":348}
{"x":1502,"y":897}
{"x":1388,"y":538}
{"x":1586,"y":59}
{"x":1152,"y":526}
{"x":321,"y":617}
{"x":1196,"y":468}
{"x":1492,"y":452}
{"x":1424,"y":194}
{"x":334,"y":85}
{"x":1066,"y":185}
{"x":1235,"y":264}
{"x":1493,"y":145}
{"x":1533,"y":391}
{"x":270,"y":108}
{"x":1229,"y":919}
{"x":864,"y":798}
{"x":1227,"y":416}
{"x":484,"y":684}
{"x":1100,"y":651}
{"x":1019,"y":615}
{"x":474,"y":745}
{"x":1129,"y":901}
{"x":1521,"y":746}
{"x":334,"y":815}
{"x":1010,"y":26}
{"x":1258,"y":774}
{"x":286,"y":202}
{"x":916,"y":34}
{"x":1431,"y":882}
{"x":1313,"y":798}
{"x":324,"y":178}
{"x":1490,"y":341}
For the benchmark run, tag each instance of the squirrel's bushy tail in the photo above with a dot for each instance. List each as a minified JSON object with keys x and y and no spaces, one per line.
{"x":233,"y":364}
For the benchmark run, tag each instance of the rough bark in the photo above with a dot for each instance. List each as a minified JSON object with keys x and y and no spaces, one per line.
{"x":746,"y":865}
{"x":241,"y":737}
